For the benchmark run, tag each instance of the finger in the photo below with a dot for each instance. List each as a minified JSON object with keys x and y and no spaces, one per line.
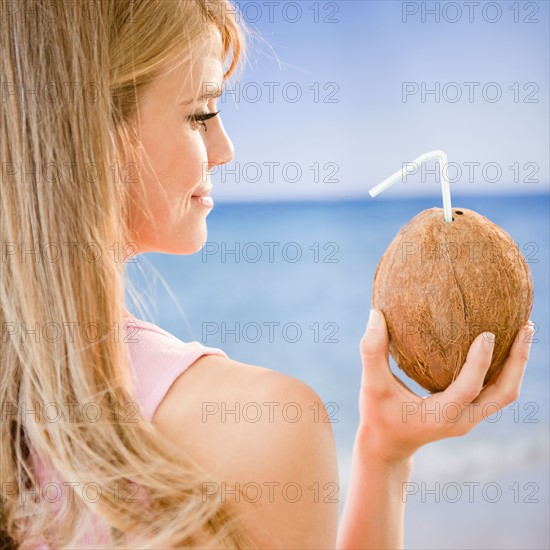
{"x":527,"y":340}
{"x":505,"y":387}
{"x":375,"y":348}
{"x":468,"y":384}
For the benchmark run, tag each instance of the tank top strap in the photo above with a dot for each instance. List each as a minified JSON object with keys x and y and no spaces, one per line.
{"x":157,"y":358}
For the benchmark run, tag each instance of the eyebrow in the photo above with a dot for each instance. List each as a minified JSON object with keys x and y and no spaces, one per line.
{"x":208,"y":95}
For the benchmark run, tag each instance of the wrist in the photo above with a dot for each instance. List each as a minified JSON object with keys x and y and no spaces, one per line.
{"x":367,"y":446}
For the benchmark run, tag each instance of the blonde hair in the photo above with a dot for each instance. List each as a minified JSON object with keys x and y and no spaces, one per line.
{"x":87,"y":63}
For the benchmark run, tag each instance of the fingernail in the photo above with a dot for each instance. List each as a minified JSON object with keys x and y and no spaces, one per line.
{"x":488,"y":340}
{"x":374,"y":319}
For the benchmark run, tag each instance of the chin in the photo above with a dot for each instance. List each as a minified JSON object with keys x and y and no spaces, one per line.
{"x":188,"y":244}
{"x":197,"y":248}
{"x":178,"y":248}
{"x":180,"y":241}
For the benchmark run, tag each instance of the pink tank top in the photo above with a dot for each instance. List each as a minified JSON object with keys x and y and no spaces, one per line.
{"x":157,"y":358}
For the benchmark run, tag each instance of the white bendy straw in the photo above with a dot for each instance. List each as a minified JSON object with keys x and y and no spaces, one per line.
{"x":410,"y":166}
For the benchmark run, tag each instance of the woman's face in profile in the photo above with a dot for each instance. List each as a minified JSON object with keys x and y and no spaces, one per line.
{"x":176,"y":155}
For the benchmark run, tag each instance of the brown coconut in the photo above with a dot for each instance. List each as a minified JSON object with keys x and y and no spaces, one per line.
{"x":440,"y":284}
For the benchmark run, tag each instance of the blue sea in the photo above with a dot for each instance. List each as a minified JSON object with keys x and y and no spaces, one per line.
{"x":287,"y":286}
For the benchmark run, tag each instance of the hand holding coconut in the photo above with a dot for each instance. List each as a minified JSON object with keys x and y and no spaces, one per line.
{"x":419,"y":293}
{"x":439,"y":300}
{"x":395,"y":422}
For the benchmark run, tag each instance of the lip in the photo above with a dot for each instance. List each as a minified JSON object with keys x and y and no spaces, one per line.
{"x":202,"y":197}
{"x":205,"y":193}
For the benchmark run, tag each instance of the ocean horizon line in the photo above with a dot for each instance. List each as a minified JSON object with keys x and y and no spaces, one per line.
{"x":368,"y":199}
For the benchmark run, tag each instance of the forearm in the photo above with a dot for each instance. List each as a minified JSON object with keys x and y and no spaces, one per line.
{"x":374,"y":511}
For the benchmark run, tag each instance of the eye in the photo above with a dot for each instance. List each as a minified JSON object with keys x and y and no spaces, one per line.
{"x":199,"y":120}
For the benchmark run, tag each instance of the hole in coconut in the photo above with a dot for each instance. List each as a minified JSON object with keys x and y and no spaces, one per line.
{"x":458,"y":212}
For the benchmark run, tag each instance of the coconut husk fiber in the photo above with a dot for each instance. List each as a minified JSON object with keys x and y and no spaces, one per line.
{"x":441,"y":284}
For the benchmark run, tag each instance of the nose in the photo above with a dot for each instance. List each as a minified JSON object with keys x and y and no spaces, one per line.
{"x":219,"y":147}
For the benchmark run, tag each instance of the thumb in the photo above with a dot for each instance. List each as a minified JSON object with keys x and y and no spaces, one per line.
{"x":375,"y":346}
{"x":469,"y":382}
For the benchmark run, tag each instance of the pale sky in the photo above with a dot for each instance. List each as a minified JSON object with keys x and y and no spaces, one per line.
{"x":333,"y":103}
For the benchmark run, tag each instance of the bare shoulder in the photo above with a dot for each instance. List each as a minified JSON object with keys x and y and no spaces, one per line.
{"x":269,"y":432}
{"x":220,"y":404}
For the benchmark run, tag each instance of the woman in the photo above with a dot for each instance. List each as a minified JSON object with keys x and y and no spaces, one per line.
{"x":122,"y":143}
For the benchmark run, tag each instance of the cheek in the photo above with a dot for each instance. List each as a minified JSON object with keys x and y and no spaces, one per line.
{"x":173,"y":166}
{"x":192,"y":161}
{"x":177,"y":164}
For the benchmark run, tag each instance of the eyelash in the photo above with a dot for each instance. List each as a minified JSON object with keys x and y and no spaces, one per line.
{"x":200,"y":119}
